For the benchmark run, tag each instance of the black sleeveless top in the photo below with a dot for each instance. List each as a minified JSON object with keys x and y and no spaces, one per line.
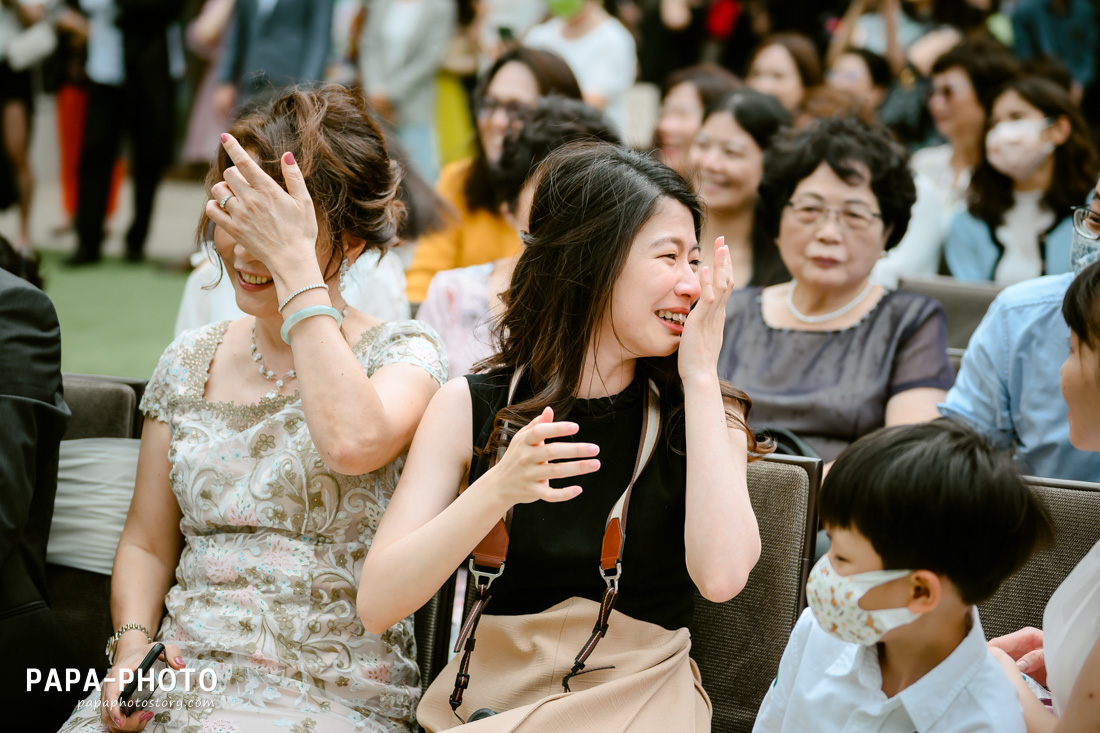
{"x":554,"y":550}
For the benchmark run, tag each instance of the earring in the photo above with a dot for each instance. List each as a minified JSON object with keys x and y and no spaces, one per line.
{"x":344,"y":267}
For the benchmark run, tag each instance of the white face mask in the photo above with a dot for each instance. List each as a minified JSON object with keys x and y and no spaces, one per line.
{"x":1016,"y":147}
{"x":1083,"y":252}
{"x":834,"y":600}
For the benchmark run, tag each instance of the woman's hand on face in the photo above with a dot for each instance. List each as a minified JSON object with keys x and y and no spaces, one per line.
{"x":523,"y":474}
{"x":1025,"y":648}
{"x":701,"y":340}
{"x":110,"y":714}
{"x":277,"y":227}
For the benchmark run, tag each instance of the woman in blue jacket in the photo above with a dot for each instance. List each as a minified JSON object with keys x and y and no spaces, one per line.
{"x":1038,"y":161}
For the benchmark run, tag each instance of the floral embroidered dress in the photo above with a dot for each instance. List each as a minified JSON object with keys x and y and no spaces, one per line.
{"x":274,"y":543}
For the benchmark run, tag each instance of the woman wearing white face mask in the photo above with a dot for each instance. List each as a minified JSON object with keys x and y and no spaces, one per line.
{"x":1037,"y":162}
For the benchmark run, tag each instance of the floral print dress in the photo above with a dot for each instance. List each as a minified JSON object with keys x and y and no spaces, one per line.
{"x":274,"y":543}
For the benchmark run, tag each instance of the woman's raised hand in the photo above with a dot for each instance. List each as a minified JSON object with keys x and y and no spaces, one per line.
{"x":701,"y":340}
{"x":523,"y":474}
{"x":277,"y":227}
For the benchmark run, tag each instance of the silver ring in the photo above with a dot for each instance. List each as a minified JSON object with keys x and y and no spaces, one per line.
{"x":225,"y":198}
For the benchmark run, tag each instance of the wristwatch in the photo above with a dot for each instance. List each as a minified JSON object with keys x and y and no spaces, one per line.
{"x":112,"y":642}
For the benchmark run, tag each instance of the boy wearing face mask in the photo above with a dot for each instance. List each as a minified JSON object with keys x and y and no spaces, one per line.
{"x":925,"y":521}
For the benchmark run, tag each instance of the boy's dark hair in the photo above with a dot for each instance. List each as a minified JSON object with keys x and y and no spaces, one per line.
{"x":1081,"y":306}
{"x":937,"y":496}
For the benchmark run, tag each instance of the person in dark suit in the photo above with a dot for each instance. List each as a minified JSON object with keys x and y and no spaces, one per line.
{"x":33,"y":417}
{"x":135,"y":98}
{"x":272,"y":44}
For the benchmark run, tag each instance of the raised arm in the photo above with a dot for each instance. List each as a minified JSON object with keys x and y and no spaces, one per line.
{"x":721,"y":536}
{"x":429,"y":528}
{"x":358,"y":423}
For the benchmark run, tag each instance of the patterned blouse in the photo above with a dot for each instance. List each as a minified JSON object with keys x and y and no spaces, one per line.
{"x":274,"y":543}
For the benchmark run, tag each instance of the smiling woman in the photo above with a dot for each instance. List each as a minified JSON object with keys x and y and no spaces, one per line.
{"x":302,"y":411}
{"x":828,"y":355}
{"x":599,"y":345}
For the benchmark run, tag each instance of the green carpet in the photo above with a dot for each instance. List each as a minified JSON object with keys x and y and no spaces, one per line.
{"x":116,"y":318}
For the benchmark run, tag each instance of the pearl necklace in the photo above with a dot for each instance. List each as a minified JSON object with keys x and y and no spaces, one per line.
{"x":827,"y":316}
{"x":267,"y":373}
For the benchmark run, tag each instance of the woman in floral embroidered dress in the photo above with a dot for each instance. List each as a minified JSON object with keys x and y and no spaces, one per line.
{"x":265,"y":466}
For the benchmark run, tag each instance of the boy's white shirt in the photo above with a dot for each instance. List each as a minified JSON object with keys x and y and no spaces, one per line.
{"x":825,"y":684}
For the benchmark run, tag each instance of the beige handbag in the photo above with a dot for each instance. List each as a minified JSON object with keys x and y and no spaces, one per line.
{"x":522,"y":673}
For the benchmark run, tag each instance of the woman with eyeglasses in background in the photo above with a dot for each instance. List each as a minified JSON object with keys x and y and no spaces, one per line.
{"x":830,"y":356}
{"x":478,"y":232}
{"x":1038,"y":162}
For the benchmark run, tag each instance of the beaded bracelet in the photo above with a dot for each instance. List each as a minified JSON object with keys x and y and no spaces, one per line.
{"x":308,"y":312}
{"x":298,"y":292}
{"x":112,"y":642}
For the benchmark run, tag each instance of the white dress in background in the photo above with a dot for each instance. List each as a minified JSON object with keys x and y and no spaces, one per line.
{"x":605,"y":61}
{"x":374,"y":286}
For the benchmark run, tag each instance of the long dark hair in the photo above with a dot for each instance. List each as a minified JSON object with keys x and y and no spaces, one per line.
{"x":1075,"y":164}
{"x":761,"y":116}
{"x":553,"y":76}
{"x":1081,"y":306}
{"x":590,"y":202}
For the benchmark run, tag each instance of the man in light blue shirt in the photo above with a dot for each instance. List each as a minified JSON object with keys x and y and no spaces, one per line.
{"x":1008,"y":386}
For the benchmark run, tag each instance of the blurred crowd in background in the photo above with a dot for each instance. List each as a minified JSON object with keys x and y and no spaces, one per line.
{"x":143,"y":88}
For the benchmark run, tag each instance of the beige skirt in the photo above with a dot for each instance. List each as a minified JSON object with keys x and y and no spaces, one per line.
{"x":519,"y":661}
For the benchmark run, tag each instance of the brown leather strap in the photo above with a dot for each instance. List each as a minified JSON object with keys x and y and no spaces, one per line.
{"x":492,"y":551}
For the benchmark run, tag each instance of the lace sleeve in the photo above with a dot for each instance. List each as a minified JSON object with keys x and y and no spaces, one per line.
{"x":921,"y":359}
{"x":163,"y":385}
{"x":409,"y":342}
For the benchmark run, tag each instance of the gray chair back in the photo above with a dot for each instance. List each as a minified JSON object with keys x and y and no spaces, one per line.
{"x":738,"y":644}
{"x":432,"y":628}
{"x":1074,"y":507}
{"x":965,"y":303}
{"x":102,"y":407}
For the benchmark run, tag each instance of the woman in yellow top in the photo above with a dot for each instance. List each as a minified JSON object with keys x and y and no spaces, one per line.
{"x":478,"y":232}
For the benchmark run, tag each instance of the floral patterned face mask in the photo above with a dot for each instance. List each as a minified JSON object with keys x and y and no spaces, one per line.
{"x":834,"y":600}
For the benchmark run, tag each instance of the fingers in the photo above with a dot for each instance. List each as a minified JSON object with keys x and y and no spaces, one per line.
{"x":236,"y":182}
{"x":295,"y":181}
{"x":248,"y":168}
{"x":1019,"y":642}
{"x":1032,"y":662}
{"x":173,"y":657}
{"x":565,"y":451}
{"x":554,"y":496}
{"x":545,"y":431}
{"x":569,"y":469}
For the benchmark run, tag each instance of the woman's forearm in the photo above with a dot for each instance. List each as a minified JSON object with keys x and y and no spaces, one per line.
{"x":400,"y":577}
{"x":720,"y":533}
{"x":349,"y":423}
{"x":139,"y":582}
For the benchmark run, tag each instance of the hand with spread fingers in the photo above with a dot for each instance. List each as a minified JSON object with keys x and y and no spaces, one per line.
{"x":701,"y":340}
{"x":278,"y":227}
{"x":524,"y":472}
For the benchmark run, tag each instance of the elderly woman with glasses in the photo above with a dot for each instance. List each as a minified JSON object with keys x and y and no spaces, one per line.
{"x":479,"y":233}
{"x":830,"y":356}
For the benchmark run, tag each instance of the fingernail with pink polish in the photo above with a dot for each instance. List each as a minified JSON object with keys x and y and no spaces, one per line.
{"x":225,"y":137}
{"x":147,"y":716}
{"x":289,"y":158}
{"x":178,"y":660}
